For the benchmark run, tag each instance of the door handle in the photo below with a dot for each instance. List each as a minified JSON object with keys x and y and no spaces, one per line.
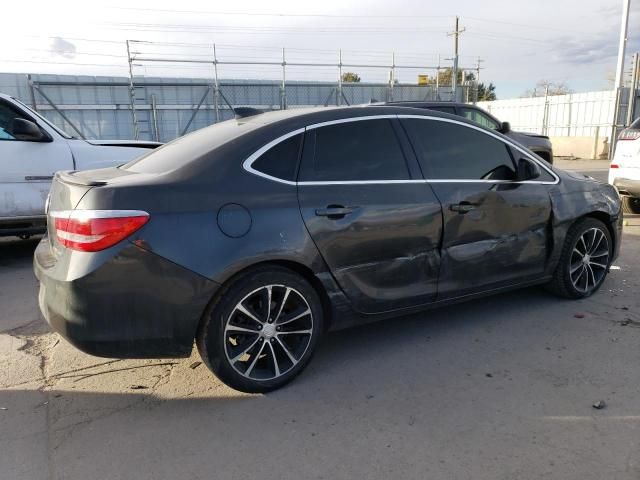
{"x":335,"y":212}
{"x":462,"y":207}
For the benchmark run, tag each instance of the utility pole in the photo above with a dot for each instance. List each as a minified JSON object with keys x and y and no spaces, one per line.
{"x":478,"y":80}
{"x":624,"y":26}
{"x":454,"y":76}
{"x":478,"y":69}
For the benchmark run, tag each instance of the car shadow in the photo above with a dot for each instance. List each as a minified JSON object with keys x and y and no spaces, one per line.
{"x":468,"y":384}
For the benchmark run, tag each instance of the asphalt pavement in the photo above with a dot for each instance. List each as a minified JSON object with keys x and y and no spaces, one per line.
{"x":497,"y":388}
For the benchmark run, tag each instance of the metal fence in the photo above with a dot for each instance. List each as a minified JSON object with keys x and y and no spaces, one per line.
{"x":165,"y":108}
{"x":574,"y":115}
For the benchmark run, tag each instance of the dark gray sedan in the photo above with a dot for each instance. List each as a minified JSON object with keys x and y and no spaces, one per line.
{"x":255,"y":236}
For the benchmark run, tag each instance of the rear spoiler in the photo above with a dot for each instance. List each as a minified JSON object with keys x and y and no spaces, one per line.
{"x":68,"y":177}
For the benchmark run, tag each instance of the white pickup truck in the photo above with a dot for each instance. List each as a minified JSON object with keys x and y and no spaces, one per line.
{"x":32,"y":149}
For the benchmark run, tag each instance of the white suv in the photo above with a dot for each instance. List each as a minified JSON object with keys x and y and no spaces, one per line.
{"x":624,"y":171}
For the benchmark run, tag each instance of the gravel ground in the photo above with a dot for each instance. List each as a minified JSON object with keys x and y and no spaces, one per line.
{"x":498,"y":388}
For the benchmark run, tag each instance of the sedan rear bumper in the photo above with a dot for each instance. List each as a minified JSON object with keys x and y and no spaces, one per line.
{"x":134,"y":305}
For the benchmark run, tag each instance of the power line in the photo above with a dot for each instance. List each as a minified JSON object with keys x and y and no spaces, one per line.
{"x":265,"y":14}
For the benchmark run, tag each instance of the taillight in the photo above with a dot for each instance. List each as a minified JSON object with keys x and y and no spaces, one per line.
{"x":629,"y":135}
{"x":94,"y":230}
{"x":614,"y":165}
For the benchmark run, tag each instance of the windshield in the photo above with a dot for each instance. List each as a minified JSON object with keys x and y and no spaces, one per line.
{"x":635,"y":125}
{"x":40,"y":117}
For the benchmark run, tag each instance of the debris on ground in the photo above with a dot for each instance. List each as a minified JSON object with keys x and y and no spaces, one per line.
{"x":195,"y":365}
{"x":4,"y":408}
{"x":488,"y":375}
{"x":579,"y":315}
{"x":599,"y":405}
{"x":138,"y":387}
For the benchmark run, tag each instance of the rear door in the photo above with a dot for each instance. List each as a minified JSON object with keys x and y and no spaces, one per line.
{"x":496,"y":229}
{"x":369,"y":212}
{"x":26,"y":167}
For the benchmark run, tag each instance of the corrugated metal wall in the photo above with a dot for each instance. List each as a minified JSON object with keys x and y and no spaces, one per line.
{"x":100,"y":106}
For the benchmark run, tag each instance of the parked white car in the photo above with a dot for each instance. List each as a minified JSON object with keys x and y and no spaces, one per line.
{"x":32,"y":149}
{"x":624,"y":171}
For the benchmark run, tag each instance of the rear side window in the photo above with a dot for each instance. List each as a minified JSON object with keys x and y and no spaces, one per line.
{"x":281,"y":161}
{"x":359,"y":150}
{"x":448,"y":151}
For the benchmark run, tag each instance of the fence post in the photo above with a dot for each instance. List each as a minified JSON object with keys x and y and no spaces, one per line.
{"x":569,"y":118}
{"x":545,"y":114}
{"x":392,"y":77}
{"x":154,"y":118}
{"x":614,"y":125}
{"x":216,"y":85}
{"x":339,"y":90}
{"x":283,"y":90}
{"x":594,"y":153}
{"x":132,"y":95}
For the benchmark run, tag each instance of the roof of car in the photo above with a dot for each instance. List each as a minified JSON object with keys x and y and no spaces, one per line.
{"x":423,"y":103}
{"x":302,"y":117}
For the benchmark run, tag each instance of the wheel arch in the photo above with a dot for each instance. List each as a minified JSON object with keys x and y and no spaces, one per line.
{"x":605,"y":218}
{"x":296,"y":267}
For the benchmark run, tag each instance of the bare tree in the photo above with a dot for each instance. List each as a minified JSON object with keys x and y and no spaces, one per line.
{"x":549,"y":88}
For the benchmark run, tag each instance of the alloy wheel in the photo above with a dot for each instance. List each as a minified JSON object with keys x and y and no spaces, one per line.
{"x":589,"y":260}
{"x":268,"y":332}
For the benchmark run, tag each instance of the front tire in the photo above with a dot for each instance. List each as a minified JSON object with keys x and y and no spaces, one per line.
{"x":631,"y":205}
{"x":584,"y":261}
{"x":262,"y":330}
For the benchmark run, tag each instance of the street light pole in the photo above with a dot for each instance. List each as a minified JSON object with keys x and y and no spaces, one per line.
{"x":624,"y":26}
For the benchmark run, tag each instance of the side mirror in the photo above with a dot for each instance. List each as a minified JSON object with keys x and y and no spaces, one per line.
{"x":28,"y":131}
{"x":527,"y":170}
{"x":505,"y":127}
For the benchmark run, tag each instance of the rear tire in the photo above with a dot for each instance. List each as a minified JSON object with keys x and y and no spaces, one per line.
{"x":254,"y":348}
{"x":584,"y":261}
{"x":631,"y":205}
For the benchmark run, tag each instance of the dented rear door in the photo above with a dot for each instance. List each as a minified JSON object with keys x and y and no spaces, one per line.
{"x":496,"y":229}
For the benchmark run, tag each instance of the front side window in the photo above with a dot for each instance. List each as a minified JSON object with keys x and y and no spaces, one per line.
{"x":358,"y":150}
{"x":281,"y":161}
{"x":7,"y":114}
{"x":449,"y":151}
{"x":480,"y":118}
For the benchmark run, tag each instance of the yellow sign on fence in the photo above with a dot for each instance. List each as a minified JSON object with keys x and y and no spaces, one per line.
{"x":423,"y":79}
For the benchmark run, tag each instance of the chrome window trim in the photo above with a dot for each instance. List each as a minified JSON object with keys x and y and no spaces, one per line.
{"x":494,"y":135}
{"x":247,"y":164}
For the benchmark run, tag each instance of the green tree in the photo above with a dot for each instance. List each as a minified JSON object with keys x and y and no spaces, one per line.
{"x":486,"y":92}
{"x":446,"y":74}
{"x":350,"y":77}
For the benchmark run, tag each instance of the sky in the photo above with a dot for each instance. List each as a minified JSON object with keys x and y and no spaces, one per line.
{"x":518,"y":42}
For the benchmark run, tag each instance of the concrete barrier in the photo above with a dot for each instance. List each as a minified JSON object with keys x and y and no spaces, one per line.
{"x":594,"y":147}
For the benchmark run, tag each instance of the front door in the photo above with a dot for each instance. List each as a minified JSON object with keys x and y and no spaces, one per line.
{"x":26,"y":168}
{"x":496,"y":229}
{"x":367,"y":210}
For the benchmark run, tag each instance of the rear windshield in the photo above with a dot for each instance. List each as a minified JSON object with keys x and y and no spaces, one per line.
{"x":636,"y":124}
{"x":184,"y":150}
